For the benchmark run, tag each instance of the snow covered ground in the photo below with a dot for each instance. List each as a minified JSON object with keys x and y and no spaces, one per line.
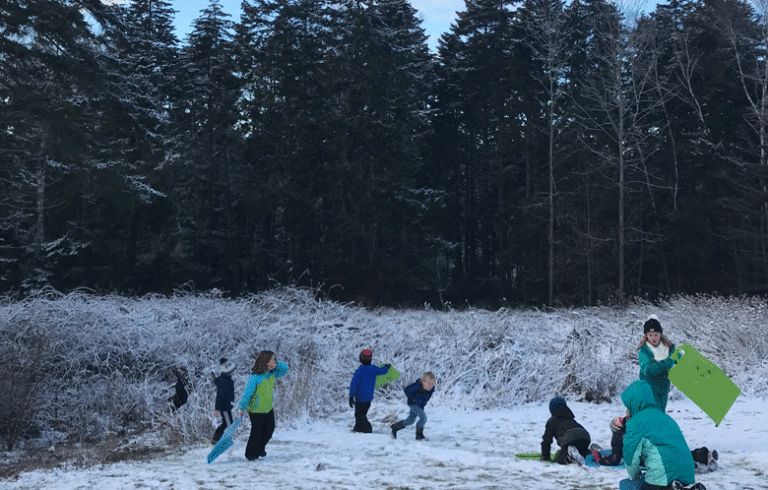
{"x":496,"y":372}
{"x":465,"y":450}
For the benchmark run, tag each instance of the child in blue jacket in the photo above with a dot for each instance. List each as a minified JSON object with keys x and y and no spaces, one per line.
{"x":418,"y":395}
{"x":361,"y":390}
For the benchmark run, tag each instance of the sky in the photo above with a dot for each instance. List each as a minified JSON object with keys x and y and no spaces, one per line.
{"x":466,"y":449}
{"x":437,"y":15}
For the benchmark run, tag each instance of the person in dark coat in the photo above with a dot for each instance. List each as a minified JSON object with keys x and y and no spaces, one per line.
{"x":418,"y":394}
{"x":181,"y":390}
{"x":617,"y":444}
{"x":361,"y":390}
{"x":572,"y":438}
{"x":225,"y":397}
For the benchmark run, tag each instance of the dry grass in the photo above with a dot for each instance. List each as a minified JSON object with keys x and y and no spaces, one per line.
{"x":69,"y":455}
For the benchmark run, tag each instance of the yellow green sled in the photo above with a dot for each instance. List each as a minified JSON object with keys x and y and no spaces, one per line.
{"x":703,"y":382}
{"x":390,"y":376}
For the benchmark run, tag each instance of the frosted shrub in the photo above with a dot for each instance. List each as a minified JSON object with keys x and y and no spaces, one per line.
{"x":22,"y":370}
{"x":108,"y":361}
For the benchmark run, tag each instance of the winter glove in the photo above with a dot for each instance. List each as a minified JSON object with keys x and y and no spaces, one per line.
{"x":351,"y":402}
{"x":386,"y":365}
{"x":668,"y":364}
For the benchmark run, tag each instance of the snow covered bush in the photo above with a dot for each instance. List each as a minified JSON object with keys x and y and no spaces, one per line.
{"x":21,"y":374}
{"x":108,"y":361}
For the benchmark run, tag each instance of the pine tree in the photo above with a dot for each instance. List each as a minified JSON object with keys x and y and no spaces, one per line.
{"x":53,"y":106}
{"x":383,"y":77}
{"x":478,"y":147}
{"x":204,"y":175}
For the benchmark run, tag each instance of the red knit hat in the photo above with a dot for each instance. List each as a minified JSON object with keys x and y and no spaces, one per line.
{"x":366,"y":356}
{"x":617,"y":423}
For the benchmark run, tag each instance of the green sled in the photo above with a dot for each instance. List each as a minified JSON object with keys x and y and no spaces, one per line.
{"x":703,"y":382}
{"x":536,"y":456}
{"x":390,"y":376}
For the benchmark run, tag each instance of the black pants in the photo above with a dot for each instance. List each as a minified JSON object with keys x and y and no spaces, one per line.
{"x":581,"y":444}
{"x":226,"y":420}
{"x":648,"y":486}
{"x":361,"y":418}
{"x":262,"y":428}
{"x":177,"y":401}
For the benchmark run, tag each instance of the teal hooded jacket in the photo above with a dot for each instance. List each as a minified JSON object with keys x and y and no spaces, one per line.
{"x":656,"y":373}
{"x":655,"y":438}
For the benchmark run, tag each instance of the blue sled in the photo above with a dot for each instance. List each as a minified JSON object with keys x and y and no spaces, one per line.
{"x":226,"y":441}
{"x":633,"y":484}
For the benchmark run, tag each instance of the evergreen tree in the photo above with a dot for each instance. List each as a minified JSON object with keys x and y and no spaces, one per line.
{"x":612,"y":71}
{"x":704,"y":132}
{"x":478,"y":150}
{"x":204,"y":176}
{"x":55,"y":106}
{"x":284,"y":55}
{"x":545,"y":42}
{"x":383,"y":79}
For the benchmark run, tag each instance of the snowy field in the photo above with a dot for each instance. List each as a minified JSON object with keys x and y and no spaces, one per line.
{"x":465,"y":450}
{"x":108,"y":374}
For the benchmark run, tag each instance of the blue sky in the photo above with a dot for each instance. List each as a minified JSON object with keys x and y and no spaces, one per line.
{"x":437,"y":15}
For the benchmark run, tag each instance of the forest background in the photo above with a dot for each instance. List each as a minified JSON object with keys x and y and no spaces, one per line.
{"x":546,"y":154}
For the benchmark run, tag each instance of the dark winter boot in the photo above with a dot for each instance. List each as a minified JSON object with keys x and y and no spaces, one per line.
{"x":701,"y":455}
{"x":420,"y":434}
{"x":396,"y":427}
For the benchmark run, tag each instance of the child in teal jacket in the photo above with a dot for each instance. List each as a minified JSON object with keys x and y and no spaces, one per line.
{"x":654,"y":438}
{"x":257,"y":401}
{"x":653,"y":357}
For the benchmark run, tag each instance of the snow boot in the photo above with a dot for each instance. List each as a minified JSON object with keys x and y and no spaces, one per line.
{"x":575,"y":456}
{"x":420,"y":434}
{"x":597,"y":456}
{"x":712,"y":460}
{"x":396,"y":427}
{"x":676,"y":485}
{"x":700,"y":455}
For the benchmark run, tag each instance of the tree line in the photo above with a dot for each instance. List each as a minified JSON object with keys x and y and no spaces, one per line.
{"x":547,"y":153}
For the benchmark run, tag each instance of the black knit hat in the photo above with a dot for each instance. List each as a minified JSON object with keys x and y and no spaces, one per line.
{"x":652,"y":324}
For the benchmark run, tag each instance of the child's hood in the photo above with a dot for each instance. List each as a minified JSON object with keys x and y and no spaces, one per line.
{"x":638,"y":396}
{"x":563,"y":412}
